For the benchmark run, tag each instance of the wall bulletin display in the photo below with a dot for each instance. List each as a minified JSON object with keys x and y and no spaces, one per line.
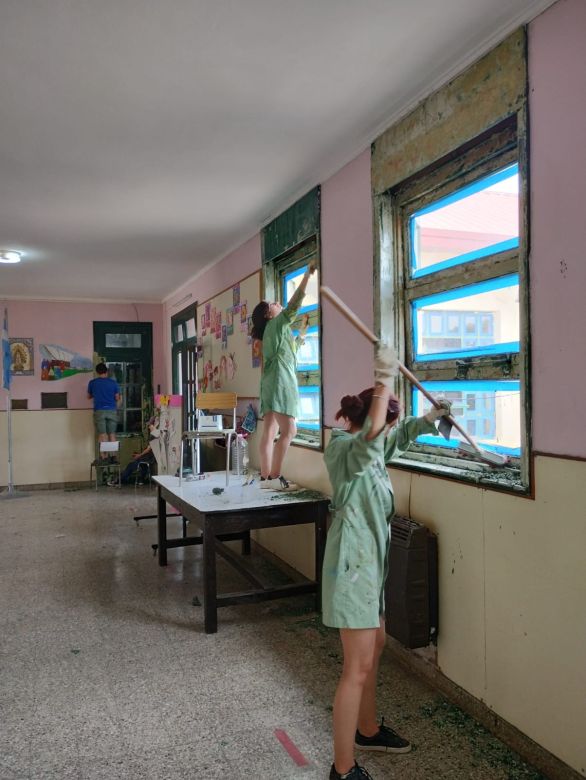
{"x":22,"y":353}
{"x":230,"y":358}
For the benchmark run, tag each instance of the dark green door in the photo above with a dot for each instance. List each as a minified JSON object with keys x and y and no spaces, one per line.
{"x":127,"y":350}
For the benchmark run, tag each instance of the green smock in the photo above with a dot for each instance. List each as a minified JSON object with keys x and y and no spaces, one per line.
{"x":278,"y":384}
{"x":357,"y":547}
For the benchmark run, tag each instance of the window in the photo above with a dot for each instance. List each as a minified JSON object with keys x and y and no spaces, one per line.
{"x":289,"y":244}
{"x":184,"y":358}
{"x":290,"y":272}
{"x":460,"y":301}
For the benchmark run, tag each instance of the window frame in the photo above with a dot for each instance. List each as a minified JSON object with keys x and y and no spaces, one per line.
{"x":275,"y":271}
{"x":184,"y":349}
{"x":398,"y":287}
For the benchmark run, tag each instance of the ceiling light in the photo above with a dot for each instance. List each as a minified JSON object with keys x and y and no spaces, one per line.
{"x":8,"y":256}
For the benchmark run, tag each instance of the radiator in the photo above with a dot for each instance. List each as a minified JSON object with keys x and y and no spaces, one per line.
{"x":411,"y":590}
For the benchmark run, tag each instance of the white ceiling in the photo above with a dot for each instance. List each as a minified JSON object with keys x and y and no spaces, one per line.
{"x":142,"y":140}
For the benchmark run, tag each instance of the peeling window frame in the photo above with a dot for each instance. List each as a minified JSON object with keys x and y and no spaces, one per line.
{"x":274,"y":271}
{"x":491,"y":151}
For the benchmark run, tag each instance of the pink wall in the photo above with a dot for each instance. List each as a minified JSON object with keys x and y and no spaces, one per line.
{"x":346,"y":223}
{"x":347,"y":267}
{"x":557,"y":64}
{"x":71,"y":325}
{"x":231,"y":269}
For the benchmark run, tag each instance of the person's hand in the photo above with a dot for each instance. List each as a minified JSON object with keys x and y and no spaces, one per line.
{"x":311,"y":268}
{"x":434,"y":414}
{"x":386,"y":365}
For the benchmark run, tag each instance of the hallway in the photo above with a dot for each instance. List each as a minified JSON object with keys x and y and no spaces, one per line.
{"x":106,"y":672}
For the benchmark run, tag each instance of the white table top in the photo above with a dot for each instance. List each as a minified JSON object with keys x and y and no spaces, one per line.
{"x":198,"y":493}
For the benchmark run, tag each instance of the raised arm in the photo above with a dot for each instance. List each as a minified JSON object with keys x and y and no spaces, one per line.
{"x":294,"y":304}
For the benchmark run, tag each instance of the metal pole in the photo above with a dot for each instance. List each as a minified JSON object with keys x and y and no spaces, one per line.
{"x":9,"y":421}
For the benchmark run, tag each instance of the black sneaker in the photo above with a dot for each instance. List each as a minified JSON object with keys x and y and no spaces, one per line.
{"x":385,"y":741}
{"x":356,"y":773}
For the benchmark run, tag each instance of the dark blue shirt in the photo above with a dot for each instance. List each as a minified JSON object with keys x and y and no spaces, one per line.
{"x":104,"y":392}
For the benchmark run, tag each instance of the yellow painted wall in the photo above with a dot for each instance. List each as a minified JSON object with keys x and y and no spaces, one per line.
{"x":50,"y":446}
{"x":512,"y":588}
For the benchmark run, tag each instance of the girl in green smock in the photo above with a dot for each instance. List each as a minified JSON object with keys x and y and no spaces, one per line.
{"x":279,"y":396}
{"x":356,"y":557}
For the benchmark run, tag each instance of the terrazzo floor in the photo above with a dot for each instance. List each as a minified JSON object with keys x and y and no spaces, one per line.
{"x":106,"y":673}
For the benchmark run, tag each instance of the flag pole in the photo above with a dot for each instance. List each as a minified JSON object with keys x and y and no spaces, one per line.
{"x":6,"y":365}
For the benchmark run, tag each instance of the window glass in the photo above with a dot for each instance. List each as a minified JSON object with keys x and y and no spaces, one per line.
{"x":123,"y":340}
{"x":308,"y":352}
{"x":190,"y":328}
{"x":475,"y":221}
{"x":488,"y":410}
{"x":479,"y":319}
{"x":291,"y":282}
{"x":309,"y":407}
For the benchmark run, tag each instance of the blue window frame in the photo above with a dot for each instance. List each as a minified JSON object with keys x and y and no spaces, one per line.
{"x":475,"y":221}
{"x":446,"y":333}
{"x":487,"y":410}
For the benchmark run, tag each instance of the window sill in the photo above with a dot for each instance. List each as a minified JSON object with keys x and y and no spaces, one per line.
{"x":506,"y":479}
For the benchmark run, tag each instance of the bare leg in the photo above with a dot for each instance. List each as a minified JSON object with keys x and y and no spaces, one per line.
{"x":288,"y":429}
{"x":267,"y":443}
{"x":367,"y":722}
{"x":359,"y":659}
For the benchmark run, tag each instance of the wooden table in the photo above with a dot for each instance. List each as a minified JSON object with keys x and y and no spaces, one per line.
{"x":230,"y":516}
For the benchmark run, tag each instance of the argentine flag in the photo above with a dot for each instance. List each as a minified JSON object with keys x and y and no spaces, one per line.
{"x":6,"y":355}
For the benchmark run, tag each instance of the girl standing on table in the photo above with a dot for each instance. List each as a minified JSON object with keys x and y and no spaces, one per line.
{"x":279,"y":396}
{"x":356,"y":557}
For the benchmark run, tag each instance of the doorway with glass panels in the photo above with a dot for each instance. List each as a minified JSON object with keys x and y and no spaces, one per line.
{"x":127,"y":349}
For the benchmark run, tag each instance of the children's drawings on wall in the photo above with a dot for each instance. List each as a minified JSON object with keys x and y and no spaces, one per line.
{"x":22,"y":354}
{"x":58,"y":362}
{"x":226,"y":362}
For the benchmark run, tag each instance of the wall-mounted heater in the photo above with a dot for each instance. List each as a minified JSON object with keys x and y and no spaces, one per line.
{"x":411,"y":593}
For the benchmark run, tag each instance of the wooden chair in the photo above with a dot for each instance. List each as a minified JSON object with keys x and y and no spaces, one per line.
{"x":211,"y":402}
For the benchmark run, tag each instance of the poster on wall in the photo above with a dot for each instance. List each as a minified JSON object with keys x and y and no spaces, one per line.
{"x":22,"y":357}
{"x":226,"y":360}
{"x":58,"y":362}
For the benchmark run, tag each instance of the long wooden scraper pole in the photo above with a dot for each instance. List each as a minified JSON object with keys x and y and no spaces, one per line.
{"x":490,"y":457}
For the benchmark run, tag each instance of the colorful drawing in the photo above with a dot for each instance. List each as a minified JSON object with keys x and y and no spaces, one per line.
{"x":22,"y":353}
{"x":203,"y":323}
{"x":256,"y":352}
{"x":224,"y":337}
{"x":231,"y":367}
{"x":230,"y":321}
{"x":208,"y":312}
{"x":243,"y":312}
{"x":59,"y":362}
{"x":236,"y":294}
{"x":249,"y":330}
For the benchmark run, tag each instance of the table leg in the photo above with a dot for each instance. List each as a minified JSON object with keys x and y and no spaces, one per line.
{"x":162,"y":528}
{"x":210,"y":590}
{"x":246,"y":544}
{"x":320,"y":546}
